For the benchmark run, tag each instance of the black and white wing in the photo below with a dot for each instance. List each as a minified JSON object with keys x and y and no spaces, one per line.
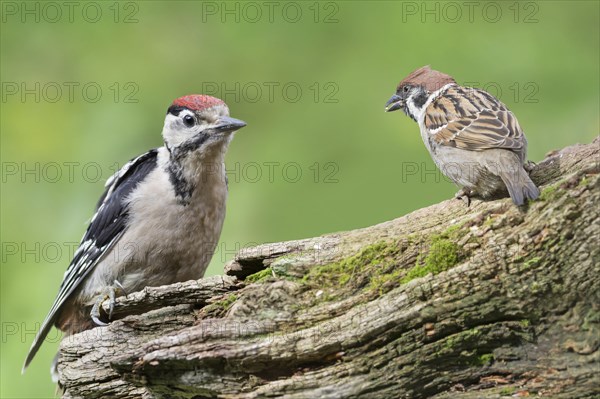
{"x":105,"y":229}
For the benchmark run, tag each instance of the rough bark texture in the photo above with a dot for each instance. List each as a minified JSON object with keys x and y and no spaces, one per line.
{"x":489,"y":301}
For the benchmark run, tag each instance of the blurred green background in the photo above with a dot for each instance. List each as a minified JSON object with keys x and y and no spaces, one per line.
{"x":85,"y":87}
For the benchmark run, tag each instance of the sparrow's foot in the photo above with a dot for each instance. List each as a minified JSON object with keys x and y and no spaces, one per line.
{"x":109,"y":293}
{"x":529,"y":166}
{"x":465,"y":195}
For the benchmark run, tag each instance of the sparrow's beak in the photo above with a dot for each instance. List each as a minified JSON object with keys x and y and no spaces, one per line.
{"x":394,"y":103}
{"x":228,"y":124}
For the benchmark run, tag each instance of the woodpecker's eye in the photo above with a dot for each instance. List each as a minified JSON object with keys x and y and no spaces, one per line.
{"x":188,"y":120}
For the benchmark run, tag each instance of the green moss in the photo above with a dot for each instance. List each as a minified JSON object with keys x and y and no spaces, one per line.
{"x":380,"y":281}
{"x":549,"y":192}
{"x":227,"y":302}
{"x":260,"y":276}
{"x":461,"y":348}
{"x":348,"y":268}
{"x":507,"y":391}
{"x":489,"y":221}
{"x":369,"y":268}
{"x":219,"y":308}
{"x":442,"y":255}
{"x":531,"y":262}
{"x":452,"y":231}
{"x":451,"y":342}
{"x":411,"y":238}
{"x":535,"y":287}
{"x":591,"y":320}
{"x":485,"y":359}
{"x":584,"y":181}
{"x":525,"y":323}
{"x":375,"y":269}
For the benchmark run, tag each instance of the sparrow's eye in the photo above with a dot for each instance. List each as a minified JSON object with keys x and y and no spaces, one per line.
{"x":405,"y":89}
{"x":188,"y":120}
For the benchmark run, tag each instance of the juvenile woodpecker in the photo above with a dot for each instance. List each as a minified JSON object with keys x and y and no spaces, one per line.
{"x":158,"y":221}
{"x":471,"y":136}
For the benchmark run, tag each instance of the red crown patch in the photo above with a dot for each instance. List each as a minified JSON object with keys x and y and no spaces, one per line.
{"x":197,"y":102}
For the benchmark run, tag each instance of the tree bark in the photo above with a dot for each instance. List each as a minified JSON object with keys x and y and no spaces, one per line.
{"x":486,"y":301}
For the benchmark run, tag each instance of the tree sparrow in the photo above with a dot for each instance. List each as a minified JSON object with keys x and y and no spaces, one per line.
{"x":471,"y":136}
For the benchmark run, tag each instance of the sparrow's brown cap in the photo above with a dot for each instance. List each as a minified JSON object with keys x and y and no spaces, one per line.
{"x":430,"y":79}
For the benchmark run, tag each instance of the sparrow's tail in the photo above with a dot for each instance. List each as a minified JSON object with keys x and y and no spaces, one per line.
{"x":519,"y":185}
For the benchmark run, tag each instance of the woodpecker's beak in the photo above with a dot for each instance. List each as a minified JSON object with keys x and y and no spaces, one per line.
{"x":228,"y":124}
{"x":394,"y":103}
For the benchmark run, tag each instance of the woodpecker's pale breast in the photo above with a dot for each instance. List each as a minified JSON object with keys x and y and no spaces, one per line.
{"x":167,"y":240}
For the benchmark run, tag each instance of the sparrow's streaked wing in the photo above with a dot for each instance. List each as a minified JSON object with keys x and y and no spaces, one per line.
{"x":472,"y":119}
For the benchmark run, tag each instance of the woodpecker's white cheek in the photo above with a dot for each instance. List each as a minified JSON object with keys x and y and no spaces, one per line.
{"x":174,"y":133}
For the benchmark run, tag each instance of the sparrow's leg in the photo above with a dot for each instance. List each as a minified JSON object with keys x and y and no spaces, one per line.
{"x":529,"y":166}
{"x":465,"y":195}
{"x":109,"y":293}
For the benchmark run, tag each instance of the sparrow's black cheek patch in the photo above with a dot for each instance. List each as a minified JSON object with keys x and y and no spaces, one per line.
{"x":420,"y":99}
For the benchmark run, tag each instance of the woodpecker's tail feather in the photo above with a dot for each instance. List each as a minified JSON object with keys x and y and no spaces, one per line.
{"x":38,"y":340}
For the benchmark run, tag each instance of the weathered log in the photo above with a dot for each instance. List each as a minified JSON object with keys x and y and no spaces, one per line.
{"x":488,"y":301}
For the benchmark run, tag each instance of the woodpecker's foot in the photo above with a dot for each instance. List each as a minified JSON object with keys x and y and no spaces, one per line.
{"x":109,"y":293}
{"x":465,"y":195}
{"x":120,"y":286}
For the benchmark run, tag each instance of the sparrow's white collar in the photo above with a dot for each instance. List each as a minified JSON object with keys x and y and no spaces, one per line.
{"x":420,"y":113}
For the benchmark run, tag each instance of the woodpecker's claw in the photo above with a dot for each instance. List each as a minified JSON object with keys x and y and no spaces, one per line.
{"x":120,"y":286}
{"x":107,"y":293}
{"x":95,"y":318}
{"x":95,"y":313}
